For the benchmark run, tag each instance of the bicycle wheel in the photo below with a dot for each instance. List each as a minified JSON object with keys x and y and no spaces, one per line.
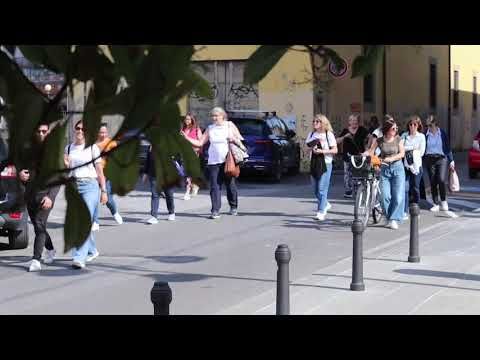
{"x":362,"y":204}
{"x":377,"y":211}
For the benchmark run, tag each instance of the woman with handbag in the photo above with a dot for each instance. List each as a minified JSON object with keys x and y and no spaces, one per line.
{"x":392,"y":178}
{"x":324,"y":146}
{"x":221,"y":133}
{"x":414,"y":150}
{"x":438,"y":156}
{"x":191,"y":130}
{"x":87,"y":172}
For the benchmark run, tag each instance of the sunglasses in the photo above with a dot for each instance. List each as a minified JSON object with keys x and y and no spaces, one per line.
{"x":413,"y":124}
{"x":78,"y":128}
{"x":42,"y":131}
{"x":316,"y":121}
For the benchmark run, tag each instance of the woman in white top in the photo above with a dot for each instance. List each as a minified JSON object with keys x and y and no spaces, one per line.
{"x":415,"y":144}
{"x":323,"y":144}
{"x":220,"y":133}
{"x":90,"y":183}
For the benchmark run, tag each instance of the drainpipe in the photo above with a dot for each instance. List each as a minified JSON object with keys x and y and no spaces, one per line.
{"x":384,"y":82}
{"x":449,"y":119}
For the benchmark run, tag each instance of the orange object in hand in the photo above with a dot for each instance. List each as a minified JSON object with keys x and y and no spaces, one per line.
{"x":375,"y":160}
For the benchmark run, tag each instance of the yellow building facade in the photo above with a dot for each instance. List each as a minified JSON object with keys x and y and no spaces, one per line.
{"x":410,"y":79}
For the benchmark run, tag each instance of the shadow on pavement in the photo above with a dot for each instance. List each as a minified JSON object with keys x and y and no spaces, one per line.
{"x":443,"y":274}
{"x":400,"y":282}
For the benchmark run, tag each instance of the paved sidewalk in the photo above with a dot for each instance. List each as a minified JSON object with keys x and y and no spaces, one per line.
{"x":446,"y":281}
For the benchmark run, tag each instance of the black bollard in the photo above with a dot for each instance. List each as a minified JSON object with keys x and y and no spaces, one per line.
{"x":161,"y":296}
{"x":283,"y":256}
{"x":414,"y":255}
{"x":357,"y":260}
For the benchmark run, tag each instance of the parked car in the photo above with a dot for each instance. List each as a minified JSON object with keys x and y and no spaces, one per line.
{"x":13,"y":212}
{"x":474,"y":158}
{"x":273,"y":148}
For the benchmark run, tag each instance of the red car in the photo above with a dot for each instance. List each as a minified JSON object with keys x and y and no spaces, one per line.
{"x":474,"y":158}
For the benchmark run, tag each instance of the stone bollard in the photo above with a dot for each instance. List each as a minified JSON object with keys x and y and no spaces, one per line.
{"x":161,"y":296}
{"x":283,"y":256}
{"x":414,"y":256}
{"x":357,"y":260}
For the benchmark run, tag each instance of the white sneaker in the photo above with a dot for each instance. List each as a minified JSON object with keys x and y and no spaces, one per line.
{"x":49,"y":256}
{"x":321,"y":216}
{"x":95,"y":226}
{"x":35,"y":266}
{"x":328,"y":207}
{"x":77,"y":265}
{"x":451,"y":214}
{"x":393,"y":225}
{"x":435,"y":208}
{"x":406,"y":217}
{"x":186,"y":197}
{"x":92,"y":257}
{"x":444,"y":206}
{"x":118,"y":218}
{"x":171,"y":217}
{"x":152,"y":221}
{"x":195,"y":189}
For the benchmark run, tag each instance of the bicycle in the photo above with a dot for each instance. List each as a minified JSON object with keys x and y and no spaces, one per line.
{"x":366,"y":187}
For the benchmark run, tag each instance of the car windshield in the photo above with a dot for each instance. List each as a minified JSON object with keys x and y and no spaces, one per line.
{"x":250,"y":127}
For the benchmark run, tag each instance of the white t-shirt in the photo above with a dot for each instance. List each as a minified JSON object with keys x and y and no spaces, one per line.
{"x":218,"y":149}
{"x":325,"y":145}
{"x":80,"y":155}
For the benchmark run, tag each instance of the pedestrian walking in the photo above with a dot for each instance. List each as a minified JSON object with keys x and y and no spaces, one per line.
{"x":324,"y":146}
{"x":39,"y":202}
{"x":438,"y":157}
{"x":105,"y":144}
{"x":150,"y":173}
{"x":373,"y":125}
{"x":191,"y":130}
{"x":220,"y":134}
{"x":354,"y":139}
{"x":392,"y":176}
{"x":87,"y":172}
{"x":414,"y":150}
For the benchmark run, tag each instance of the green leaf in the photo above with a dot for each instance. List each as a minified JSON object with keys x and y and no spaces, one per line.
{"x":193,"y":82}
{"x":78,"y":221}
{"x":124,"y":64}
{"x":53,"y":57}
{"x":123,"y":168}
{"x":262,"y":61}
{"x":365,"y":64}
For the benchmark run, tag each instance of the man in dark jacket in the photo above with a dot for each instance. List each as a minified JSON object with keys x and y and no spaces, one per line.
{"x":39,"y":202}
{"x":150,"y":173}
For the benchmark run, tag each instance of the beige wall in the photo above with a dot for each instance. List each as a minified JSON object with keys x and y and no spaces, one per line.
{"x":465,"y":123}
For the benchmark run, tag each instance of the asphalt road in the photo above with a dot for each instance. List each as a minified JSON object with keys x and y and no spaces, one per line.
{"x":211,"y":265}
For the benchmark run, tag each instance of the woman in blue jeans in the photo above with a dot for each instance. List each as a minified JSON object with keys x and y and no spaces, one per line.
{"x":90,"y":184}
{"x":392,"y":179}
{"x":323,"y":144}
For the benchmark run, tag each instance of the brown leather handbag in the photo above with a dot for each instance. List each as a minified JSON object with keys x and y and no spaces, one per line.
{"x":231,"y":169}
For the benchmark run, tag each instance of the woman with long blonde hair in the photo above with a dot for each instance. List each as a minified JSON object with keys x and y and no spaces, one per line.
{"x":324,"y":146}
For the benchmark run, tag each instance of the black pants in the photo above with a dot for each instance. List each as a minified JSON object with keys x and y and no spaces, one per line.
{"x":39,"y":218}
{"x":217,"y":177}
{"x":437,"y":172}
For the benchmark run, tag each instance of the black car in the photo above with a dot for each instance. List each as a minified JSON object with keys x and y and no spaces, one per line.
{"x":13,"y":212}
{"x":272,"y":147}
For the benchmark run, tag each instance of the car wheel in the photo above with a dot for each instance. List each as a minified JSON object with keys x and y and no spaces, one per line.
{"x":19,"y":239}
{"x":472,"y":173}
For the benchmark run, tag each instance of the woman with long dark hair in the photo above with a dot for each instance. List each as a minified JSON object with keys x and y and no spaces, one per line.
{"x":392,"y":178}
{"x":192,"y":131}
{"x":87,"y":172}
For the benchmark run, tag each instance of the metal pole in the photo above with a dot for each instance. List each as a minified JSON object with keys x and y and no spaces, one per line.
{"x":414,"y":256}
{"x":161,"y":296}
{"x":283,"y":256}
{"x":357,"y":259}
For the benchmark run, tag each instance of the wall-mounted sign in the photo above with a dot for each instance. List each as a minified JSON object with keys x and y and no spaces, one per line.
{"x":338,"y":71}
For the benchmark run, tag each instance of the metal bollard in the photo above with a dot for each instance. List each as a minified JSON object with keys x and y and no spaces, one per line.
{"x":283,"y":256}
{"x":414,"y":256}
{"x":357,"y":259}
{"x":161,"y":296}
